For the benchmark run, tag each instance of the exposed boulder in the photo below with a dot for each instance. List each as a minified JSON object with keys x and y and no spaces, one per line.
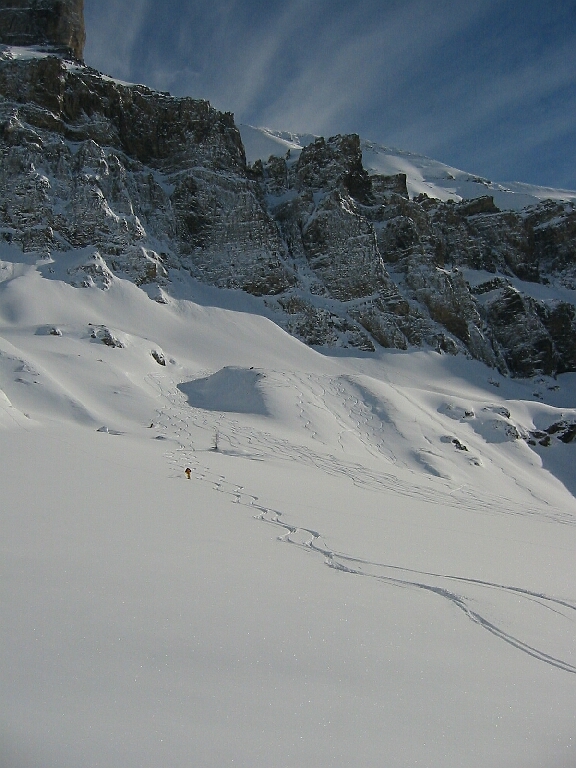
{"x":562,"y":430}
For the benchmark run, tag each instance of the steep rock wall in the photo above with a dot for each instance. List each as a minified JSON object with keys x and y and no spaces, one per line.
{"x":57,"y":24}
{"x":142,"y":185}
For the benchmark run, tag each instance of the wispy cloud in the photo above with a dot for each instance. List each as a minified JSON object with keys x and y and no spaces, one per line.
{"x":313,"y":64}
{"x":448,"y":78}
{"x":350,"y":69}
{"x":498,"y":119}
{"x":114,"y":28}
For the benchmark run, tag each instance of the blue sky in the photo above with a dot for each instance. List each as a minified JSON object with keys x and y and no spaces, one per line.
{"x":488,"y":86}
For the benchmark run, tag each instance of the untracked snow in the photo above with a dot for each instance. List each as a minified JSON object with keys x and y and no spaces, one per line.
{"x":370,"y":566}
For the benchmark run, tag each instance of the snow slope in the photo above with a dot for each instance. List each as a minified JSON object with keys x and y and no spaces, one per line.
{"x":340,"y":583}
{"x":423,"y":175}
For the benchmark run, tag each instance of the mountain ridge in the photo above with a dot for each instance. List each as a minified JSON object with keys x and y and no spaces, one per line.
{"x":224,"y":547}
{"x":339,"y":253}
{"x":424,"y":175}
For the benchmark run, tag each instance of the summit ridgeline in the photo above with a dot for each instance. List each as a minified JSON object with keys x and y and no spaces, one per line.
{"x":56,"y":25}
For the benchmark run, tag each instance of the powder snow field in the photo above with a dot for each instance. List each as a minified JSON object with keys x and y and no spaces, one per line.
{"x":339,"y":584}
{"x":423,"y":175}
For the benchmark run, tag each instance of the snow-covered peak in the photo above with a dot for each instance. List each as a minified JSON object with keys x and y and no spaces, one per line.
{"x":261,"y":143}
{"x":423,"y":175}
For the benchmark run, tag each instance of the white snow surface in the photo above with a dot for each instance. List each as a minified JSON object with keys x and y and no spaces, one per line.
{"x":423,"y":175}
{"x":338,"y":584}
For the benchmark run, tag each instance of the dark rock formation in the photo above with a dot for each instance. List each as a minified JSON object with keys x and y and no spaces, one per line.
{"x":56,"y":25}
{"x":150,"y":181}
{"x":562,"y":430}
{"x":122,"y":181}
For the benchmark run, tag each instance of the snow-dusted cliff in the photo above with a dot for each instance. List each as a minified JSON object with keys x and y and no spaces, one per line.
{"x":223,"y":547}
{"x":56,"y":25}
{"x":130,"y":182}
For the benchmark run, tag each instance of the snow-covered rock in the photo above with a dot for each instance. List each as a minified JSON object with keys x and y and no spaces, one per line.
{"x":101,"y":179}
{"x":220,"y":547}
{"x":56,"y":25}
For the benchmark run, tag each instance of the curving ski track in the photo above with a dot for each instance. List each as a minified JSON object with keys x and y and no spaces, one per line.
{"x":177,"y":417}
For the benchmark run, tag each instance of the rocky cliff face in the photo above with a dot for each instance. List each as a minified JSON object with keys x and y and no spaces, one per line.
{"x":54,"y":24}
{"x":149,"y":181}
{"x":412,"y":272}
{"x":123,"y":181}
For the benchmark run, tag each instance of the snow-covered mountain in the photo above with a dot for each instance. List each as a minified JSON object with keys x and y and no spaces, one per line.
{"x":423,"y":175}
{"x":372,"y":559}
{"x":103,"y":178}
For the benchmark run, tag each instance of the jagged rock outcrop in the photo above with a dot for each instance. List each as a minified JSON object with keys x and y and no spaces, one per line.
{"x":56,"y":25}
{"x":561,"y":430}
{"x":434,"y":244}
{"x":113,"y":180}
{"x":150,"y":181}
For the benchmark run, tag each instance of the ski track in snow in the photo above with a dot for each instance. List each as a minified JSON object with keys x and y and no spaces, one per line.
{"x":175,"y":420}
{"x":179,"y":416}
